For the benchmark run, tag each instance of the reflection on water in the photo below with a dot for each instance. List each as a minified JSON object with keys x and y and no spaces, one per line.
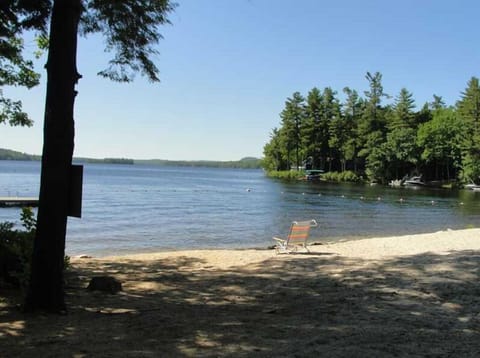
{"x":141,"y":208}
{"x":351,"y":211}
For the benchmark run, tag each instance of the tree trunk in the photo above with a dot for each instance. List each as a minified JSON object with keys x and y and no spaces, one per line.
{"x":289,"y":166}
{"x":448,"y":169}
{"x":297,"y":158}
{"x":46,"y":289}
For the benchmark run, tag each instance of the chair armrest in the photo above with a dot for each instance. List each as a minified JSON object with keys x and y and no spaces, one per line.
{"x":278,"y":239}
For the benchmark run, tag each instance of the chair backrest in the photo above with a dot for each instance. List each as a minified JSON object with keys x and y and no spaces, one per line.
{"x":299,"y":231}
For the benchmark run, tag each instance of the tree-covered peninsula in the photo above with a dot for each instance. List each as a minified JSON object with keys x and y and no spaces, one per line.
{"x":367,"y":137}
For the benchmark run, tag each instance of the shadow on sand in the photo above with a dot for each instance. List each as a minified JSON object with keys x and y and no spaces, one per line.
{"x":298,"y":305}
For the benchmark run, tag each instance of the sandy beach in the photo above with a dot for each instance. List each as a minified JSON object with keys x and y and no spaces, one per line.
{"x":409,"y":296}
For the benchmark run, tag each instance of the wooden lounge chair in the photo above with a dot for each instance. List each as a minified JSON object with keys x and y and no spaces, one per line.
{"x":297,"y":236}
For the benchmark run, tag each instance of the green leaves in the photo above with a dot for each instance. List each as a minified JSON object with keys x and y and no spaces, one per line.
{"x":468,"y":108}
{"x":11,"y":112}
{"x":293,"y":118}
{"x":15,"y":70}
{"x":384,"y":141}
{"x":403,"y":115}
{"x":441,"y":140}
{"x":130,"y":29}
{"x":469,"y":105}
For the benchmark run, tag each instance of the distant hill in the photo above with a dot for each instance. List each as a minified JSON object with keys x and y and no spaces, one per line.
{"x":244,"y":163}
{"x":7,"y":154}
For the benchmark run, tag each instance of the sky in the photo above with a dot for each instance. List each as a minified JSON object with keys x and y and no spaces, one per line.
{"x":228,"y":66}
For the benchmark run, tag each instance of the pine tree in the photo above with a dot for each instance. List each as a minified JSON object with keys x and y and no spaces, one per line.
{"x":403,"y":111}
{"x":469,"y":106}
{"x":371,"y":129}
{"x":273,"y":159}
{"x":293,"y":117}
{"x":313,"y":134}
{"x":352,"y":112}
{"x":437,"y":103}
{"x":469,"y":111}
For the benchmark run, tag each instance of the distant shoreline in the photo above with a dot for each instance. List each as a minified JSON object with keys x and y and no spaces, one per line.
{"x":244,"y":163}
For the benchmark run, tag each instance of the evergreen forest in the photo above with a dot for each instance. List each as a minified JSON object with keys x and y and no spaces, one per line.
{"x":378,"y":137}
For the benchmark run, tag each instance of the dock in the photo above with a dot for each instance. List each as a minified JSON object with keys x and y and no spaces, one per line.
{"x":18,"y":201}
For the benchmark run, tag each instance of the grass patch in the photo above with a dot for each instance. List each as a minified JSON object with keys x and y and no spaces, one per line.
{"x":346,"y":176}
{"x":286,"y":174}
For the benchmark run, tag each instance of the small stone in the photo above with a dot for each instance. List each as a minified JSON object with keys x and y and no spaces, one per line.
{"x":106,"y":284}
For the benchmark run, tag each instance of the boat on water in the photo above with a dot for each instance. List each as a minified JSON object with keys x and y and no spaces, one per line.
{"x":397,"y":183}
{"x":313,"y":174}
{"x":472,"y":186}
{"x":415,"y":181}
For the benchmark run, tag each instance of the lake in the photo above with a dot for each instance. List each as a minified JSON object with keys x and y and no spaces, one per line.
{"x":140,"y":208}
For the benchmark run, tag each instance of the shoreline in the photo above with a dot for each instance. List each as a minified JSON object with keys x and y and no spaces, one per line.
{"x":367,"y":248}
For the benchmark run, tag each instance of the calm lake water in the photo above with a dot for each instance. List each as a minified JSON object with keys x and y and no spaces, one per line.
{"x":136,"y":208}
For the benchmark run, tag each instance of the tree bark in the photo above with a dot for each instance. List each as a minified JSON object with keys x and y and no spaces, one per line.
{"x":46,"y":291}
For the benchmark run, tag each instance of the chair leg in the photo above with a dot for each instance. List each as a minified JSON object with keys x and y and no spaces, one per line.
{"x":280,"y":249}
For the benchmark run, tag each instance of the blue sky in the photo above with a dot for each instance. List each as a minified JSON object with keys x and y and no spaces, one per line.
{"x":227,"y":67}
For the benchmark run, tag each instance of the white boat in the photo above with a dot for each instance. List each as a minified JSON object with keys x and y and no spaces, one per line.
{"x":313,"y":174}
{"x":397,"y":183}
{"x":414,"y":181}
{"x":472,"y":186}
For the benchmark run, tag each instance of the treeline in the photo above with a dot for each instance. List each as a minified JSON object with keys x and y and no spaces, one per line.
{"x":118,"y":161}
{"x":244,"y":163}
{"x":377,"y":140}
{"x":7,"y":154}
